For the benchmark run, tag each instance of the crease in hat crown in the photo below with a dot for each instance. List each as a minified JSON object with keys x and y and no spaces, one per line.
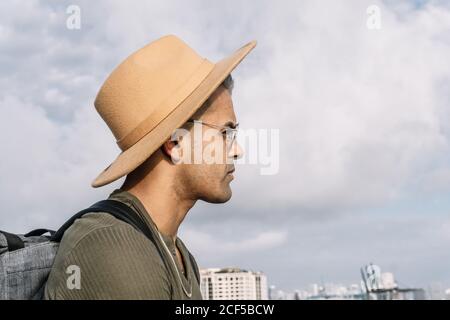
{"x":147,"y":86}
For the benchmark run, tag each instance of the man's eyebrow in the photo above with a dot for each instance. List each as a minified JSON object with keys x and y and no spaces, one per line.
{"x":231,"y":124}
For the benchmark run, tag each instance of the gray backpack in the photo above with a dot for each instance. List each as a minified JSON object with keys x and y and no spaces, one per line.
{"x":26,"y":260}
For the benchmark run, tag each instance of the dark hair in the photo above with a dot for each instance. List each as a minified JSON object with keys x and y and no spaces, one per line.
{"x":228,"y":83}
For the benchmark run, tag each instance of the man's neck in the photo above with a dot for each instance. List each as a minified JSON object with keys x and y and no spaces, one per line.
{"x":165,"y":205}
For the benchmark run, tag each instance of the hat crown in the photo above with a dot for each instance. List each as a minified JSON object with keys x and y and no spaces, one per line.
{"x":149,"y":84}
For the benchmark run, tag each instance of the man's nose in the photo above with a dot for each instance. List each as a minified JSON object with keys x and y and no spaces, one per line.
{"x":236,"y":151}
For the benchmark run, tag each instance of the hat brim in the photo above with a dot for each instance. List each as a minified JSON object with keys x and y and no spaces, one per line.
{"x":134,"y":156}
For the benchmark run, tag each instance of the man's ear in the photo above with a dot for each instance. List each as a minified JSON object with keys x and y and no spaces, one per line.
{"x":170,"y":149}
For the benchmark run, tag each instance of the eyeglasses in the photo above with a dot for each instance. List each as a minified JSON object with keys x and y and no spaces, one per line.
{"x":228,"y":132}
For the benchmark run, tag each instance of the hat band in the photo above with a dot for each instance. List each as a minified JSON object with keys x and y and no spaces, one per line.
{"x":167,"y":106}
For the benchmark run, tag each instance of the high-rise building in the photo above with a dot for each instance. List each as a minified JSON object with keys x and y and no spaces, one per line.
{"x":388,"y":281}
{"x":447,"y":294}
{"x":233,"y":284}
{"x":436,"y":291}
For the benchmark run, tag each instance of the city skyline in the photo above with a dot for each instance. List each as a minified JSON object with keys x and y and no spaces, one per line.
{"x":387,"y":282}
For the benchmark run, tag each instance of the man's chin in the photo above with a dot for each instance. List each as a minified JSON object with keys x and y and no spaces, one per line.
{"x":219,"y":198}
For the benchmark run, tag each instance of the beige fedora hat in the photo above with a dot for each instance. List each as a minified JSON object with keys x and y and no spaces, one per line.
{"x":151,"y":93}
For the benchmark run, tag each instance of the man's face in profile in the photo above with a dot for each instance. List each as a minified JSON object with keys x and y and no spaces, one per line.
{"x":209,"y":174}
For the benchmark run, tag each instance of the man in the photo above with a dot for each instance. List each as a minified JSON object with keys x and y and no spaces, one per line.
{"x":159,"y":88}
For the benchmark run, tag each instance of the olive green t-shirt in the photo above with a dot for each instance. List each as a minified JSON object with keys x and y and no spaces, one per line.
{"x":113,"y":260}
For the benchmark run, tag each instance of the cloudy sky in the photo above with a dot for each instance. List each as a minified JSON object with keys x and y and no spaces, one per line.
{"x":363,"y":116}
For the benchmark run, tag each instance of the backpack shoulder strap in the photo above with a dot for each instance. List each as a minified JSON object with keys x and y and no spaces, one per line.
{"x":117,"y":209}
{"x":124,"y":213}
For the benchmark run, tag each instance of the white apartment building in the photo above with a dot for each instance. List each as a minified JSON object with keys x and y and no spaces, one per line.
{"x":233,"y":284}
{"x":388,"y":281}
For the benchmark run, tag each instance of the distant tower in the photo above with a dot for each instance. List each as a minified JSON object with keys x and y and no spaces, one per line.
{"x":371,"y":276}
{"x":388,"y":280}
{"x":272,"y":291}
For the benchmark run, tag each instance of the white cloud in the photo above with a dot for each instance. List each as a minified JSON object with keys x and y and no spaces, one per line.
{"x":207,"y":244}
{"x":357,"y":109}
